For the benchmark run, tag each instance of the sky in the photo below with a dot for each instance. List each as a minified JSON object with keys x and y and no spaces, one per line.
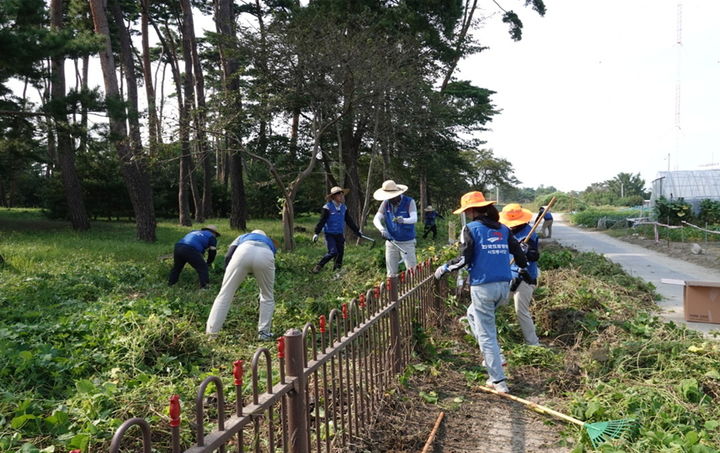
{"x":591,"y":89}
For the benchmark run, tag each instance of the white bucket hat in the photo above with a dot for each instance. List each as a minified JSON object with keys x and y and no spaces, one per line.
{"x":259,"y":232}
{"x":429,"y":208}
{"x":389,"y":190}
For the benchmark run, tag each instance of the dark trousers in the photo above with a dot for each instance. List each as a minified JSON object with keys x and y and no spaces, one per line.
{"x":336,"y":249}
{"x":186,"y":254}
{"x":428,"y":229}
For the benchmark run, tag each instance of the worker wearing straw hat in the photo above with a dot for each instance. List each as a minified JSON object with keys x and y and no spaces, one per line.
{"x":251,"y":253}
{"x":190,"y":249}
{"x":486,"y":246}
{"x":515,"y":217}
{"x":429,"y":218}
{"x":332,"y":221}
{"x":399,"y":213}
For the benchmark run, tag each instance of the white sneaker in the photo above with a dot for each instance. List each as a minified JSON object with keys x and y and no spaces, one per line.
{"x":499,"y":386}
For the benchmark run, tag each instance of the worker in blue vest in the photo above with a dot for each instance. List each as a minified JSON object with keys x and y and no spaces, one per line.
{"x":190,"y":249}
{"x":399,"y":213}
{"x":332,"y":221}
{"x":515,"y":217}
{"x":251,"y":253}
{"x":485,"y":248}
{"x":547,"y":222}
{"x":429,"y":219}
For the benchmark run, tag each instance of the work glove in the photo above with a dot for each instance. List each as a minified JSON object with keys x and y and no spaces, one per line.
{"x":440,"y":271}
{"x":524,"y":276}
{"x":386,"y":235}
{"x":315,"y":238}
{"x":514,"y":283}
{"x":399,"y":219}
{"x":524,"y":247}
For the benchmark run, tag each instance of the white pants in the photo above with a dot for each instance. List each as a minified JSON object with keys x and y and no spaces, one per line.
{"x":393,"y":256}
{"x":523,"y":298}
{"x":248,"y":258}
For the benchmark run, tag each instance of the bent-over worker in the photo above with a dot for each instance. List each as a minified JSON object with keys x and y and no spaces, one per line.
{"x":190,"y":249}
{"x":485,"y":248}
{"x":251,"y":253}
{"x":400,"y":215}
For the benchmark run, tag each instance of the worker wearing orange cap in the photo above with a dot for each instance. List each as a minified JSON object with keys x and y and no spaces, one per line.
{"x":486,"y":246}
{"x":515,"y":217}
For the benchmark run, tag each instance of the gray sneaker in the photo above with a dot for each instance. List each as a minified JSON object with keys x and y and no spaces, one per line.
{"x":266,"y":336}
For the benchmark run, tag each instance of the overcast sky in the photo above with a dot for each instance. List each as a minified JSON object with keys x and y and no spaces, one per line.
{"x":590,"y":91}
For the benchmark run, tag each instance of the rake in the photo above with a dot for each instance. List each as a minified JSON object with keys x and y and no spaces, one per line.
{"x":597,"y":432}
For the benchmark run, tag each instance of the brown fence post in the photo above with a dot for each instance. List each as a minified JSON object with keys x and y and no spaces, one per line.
{"x":297,"y":407}
{"x":392,"y":283}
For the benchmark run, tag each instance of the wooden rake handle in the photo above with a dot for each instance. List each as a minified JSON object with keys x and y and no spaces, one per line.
{"x":534,"y":406}
{"x":537,"y":223}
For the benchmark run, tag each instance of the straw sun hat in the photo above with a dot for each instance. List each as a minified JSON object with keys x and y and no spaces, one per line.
{"x":212,"y":228}
{"x":514,"y":215}
{"x":336,"y":190}
{"x":473,"y":199}
{"x":429,"y":208}
{"x":389,"y":190}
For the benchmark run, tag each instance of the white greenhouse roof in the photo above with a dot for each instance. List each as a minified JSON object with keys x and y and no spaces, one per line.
{"x":690,"y":184}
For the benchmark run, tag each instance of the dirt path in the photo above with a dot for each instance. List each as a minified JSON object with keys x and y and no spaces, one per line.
{"x":474,"y":421}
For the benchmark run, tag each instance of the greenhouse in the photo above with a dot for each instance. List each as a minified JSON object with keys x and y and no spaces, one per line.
{"x":691,"y":185}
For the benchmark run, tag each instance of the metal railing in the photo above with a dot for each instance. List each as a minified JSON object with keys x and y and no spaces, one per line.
{"x":331,"y":378}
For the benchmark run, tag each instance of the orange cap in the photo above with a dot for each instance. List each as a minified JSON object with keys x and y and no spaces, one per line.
{"x":473,"y":199}
{"x":514,"y":215}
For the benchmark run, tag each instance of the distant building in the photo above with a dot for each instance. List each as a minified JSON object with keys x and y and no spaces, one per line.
{"x":691,"y":185}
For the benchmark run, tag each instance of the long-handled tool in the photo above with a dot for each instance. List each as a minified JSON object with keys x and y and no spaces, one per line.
{"x":598,"y":432}
{"x":368,"y":238}
{"x":397,"y":246}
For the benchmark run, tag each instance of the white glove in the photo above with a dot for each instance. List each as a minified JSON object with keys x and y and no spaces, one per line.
{"x":440,"y":271}
{"x":399,"y":219}
{"x":315,"y":238}
{"x":385,"y":235}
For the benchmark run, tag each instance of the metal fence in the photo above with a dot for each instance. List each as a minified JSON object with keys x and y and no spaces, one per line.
{"x":329,"y":383}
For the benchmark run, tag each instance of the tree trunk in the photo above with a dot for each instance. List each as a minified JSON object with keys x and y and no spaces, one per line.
{"x":153,"y":122}
{"x":238,"y":208}
{"x":205,"y":209}
{"x":225,"y":23}
{"x":133,"y":167}
{"x":423,"y":191}
{"x":66,"y":154}
{"x":183,"y":186}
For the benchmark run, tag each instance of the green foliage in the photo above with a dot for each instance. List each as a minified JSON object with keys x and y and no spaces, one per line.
{"x":709,"y":212}
{"x":591,"y":216}
{"x":672,"y":211}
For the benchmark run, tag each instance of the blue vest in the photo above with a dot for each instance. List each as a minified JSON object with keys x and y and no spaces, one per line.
{"x":491,"y":256}
{"x":399,"y":231}
{"x":336,"y":219}
{"x":200,"y":240}
{"x":533,"y":243}
{"x":430,"y":218}
{"x":254,"y":237}
{"x":548,"y":215}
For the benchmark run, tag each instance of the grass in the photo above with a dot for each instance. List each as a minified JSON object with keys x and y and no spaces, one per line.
{"x":92,"y":335}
